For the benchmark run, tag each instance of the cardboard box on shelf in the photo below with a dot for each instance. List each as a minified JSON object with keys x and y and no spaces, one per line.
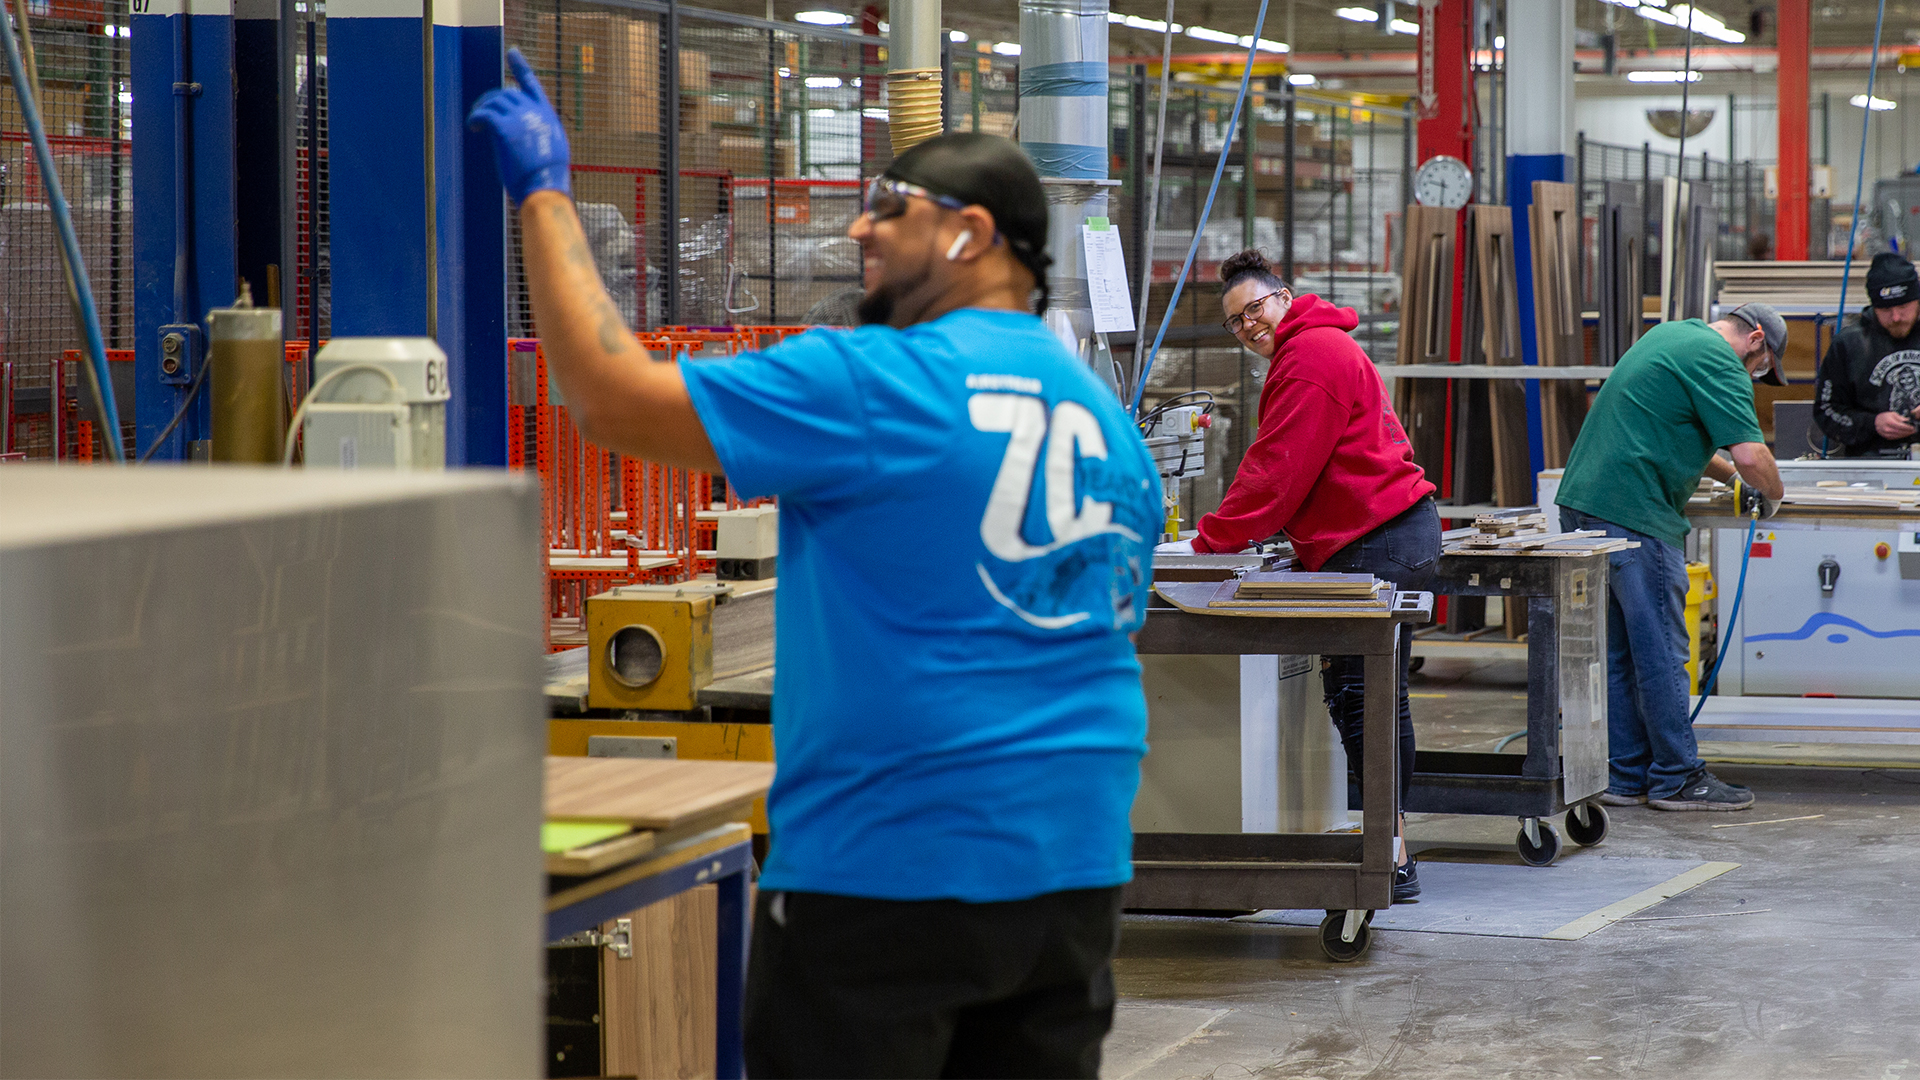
{"x":744,"y":155}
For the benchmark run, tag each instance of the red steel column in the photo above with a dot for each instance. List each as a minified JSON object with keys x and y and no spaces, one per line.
{"x":1795,"y":28}
{"x":1444,"y":84}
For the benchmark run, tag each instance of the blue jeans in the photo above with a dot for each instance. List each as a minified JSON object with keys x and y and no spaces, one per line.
{"x":1405,"y":551}
{"x":1650,"y":745}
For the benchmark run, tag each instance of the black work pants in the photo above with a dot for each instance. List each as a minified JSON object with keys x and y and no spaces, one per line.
{"x":841,"y":986}
{"x":1405,"y":551}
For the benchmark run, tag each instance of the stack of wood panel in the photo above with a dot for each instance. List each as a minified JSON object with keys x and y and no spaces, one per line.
{"x":1785,"y":284}
{"x":1358,"y":592}
{"x":1525,"y":530}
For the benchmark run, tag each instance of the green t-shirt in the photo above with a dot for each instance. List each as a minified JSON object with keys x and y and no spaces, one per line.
{"x":1679,"y":394}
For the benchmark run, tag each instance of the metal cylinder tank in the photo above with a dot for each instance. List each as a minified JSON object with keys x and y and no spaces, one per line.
{"x":248,"y":383}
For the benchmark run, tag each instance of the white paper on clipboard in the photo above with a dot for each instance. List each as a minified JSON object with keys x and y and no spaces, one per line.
{"x":1107,"y":280}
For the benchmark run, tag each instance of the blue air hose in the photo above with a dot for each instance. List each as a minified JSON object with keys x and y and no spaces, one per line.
{"x":1193,"y":249}
{"x":1726,"y":628}
{"x":70,"y":246}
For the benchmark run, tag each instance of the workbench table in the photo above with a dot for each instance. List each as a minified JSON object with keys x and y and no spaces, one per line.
{"x":721,"y":856}
{"x":1347,"y":874}
{"x":1566,"y":760}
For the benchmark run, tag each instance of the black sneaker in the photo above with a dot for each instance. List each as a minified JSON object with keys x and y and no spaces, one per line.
{"x":1705,"y":791}
{"x":1618,"y":798}
{"x":1406,"y":882}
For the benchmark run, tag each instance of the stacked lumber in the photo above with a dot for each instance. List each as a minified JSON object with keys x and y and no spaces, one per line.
{"x":1524,"y":530}
{"x":1289,"y":589}
{"x":1789,"y":283}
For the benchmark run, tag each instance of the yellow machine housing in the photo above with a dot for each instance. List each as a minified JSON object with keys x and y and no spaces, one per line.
{"x":649,"y":646}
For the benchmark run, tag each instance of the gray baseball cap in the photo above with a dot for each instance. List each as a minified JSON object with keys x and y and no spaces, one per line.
{"x":1768,"y":322}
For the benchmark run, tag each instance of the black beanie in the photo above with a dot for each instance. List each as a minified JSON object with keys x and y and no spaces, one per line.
{"x":1891,"y":280}
{"x":992,"y":172}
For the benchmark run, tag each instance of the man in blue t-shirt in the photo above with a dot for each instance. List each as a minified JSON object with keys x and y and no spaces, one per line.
{"x":965,"y":533}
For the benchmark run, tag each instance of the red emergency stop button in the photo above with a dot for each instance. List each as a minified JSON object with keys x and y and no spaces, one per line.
{"x":1881,"y":550}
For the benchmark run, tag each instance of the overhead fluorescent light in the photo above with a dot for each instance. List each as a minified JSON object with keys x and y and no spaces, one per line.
{"x":1245,"y":41}
{"x":1007,"y":48}
{"x":956,"y":36}
{"x":1357,"y":14}
{"x":1402,"y":26}
{"x":1205,"y":33}
{"x":1706,"y":24}
{"x":876,"y":114}
{"x":1134,"y":22}
{"x":1663,"y":76}
{"x":1879,"y":104}
{"x":823,"y":18}
{"x":1499,"y":41}
{"x":1302,"y":79}
{"x":823,"y":82}
{"x":1656,"y":15}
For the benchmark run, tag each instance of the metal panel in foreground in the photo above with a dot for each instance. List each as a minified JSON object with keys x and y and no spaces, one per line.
{"x":270,"y":795}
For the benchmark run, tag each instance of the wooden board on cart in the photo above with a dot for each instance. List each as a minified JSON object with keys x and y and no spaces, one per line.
{"x":649,"y":794}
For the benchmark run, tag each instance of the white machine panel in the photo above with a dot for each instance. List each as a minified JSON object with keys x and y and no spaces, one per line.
{"x":1860,"y":640}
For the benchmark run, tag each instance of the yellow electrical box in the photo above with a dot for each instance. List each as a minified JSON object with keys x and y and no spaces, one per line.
{"x":649,"y":646}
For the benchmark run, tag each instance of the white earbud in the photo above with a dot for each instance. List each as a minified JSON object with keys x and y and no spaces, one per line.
{"x":958,"y":243}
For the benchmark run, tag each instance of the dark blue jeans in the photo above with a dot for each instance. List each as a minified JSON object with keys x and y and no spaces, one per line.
{"x":1405,"y":551}
{"x":1650,"y":745}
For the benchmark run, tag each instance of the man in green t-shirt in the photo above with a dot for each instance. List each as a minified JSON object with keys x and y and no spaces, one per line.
{"x":1683,"y":390}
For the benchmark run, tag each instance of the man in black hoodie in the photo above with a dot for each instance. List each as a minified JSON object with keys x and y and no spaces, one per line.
{"x":1867,"y":393}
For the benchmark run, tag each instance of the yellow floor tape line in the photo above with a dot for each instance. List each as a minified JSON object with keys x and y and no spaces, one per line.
{"x":1640,"y":901}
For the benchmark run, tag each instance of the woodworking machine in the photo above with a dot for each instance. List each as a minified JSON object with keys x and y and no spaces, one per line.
{"x":1824,"y":645}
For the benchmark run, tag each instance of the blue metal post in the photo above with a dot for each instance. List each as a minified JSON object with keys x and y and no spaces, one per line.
{"x":418,"y":226}
{"x":1540,"y":133}
{"x":182,"y":100}
{"x":471,"y":227}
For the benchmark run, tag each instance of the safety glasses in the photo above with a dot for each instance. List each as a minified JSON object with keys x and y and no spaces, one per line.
{"x":1238,"y":320}
{"x":887,"y":198}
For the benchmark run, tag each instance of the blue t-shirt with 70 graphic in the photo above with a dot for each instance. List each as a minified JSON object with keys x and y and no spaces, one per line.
{"x":966,"y":532}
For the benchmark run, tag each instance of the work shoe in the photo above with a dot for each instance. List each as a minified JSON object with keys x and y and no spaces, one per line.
{"x":1705,"y":791}
{"x":1616,"y":798}
{"x":1406,"y":882}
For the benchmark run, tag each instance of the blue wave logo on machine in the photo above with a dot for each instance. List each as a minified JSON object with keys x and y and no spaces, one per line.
{"x":1815,"y":623}
{"x":1066,"y":525}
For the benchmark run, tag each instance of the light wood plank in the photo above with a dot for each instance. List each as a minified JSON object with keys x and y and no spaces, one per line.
{"x":650,"y":794}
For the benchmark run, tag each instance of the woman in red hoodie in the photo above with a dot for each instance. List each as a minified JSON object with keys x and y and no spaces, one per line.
{"x":1331,"y":467}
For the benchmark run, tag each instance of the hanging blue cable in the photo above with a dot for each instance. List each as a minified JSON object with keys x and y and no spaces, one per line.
{"x":1726,"y":628}
{"x":1860,"y":175}
{"x":70,"y":245}
{"x":1193,"y":249}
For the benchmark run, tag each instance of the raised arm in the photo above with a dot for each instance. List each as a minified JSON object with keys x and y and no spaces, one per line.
{"x":618,"y":396}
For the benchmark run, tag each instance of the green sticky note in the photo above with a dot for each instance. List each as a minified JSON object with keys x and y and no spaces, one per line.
{"x":1099,"y":224}
{"x":559,"y":836}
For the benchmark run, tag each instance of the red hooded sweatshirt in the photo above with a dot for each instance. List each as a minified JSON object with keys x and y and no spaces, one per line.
{"x":1330,"y":462}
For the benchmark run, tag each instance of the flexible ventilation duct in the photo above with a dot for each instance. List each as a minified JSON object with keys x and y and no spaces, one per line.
{"x":913,"y":75}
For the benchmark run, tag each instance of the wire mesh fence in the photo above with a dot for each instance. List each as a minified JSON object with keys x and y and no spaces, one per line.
{"x":81,"y":49}
{"x":747,"y":170}
{"x":1736,"y":189}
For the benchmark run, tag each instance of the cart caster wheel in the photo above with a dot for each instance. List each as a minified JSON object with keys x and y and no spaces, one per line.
{"x":1545,"y":852}
{"x":1344,"y":952}
{"x":1591,"y":831}
{"x":1416,"y":663}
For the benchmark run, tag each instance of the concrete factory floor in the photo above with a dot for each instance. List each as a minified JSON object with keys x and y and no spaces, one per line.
{"x":1816,"y":973}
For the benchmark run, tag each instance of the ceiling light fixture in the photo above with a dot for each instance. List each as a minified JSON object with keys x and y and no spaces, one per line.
{"x":823,"y":18}
{"x":1007,"y":48}
{"x":957,"y":36}
{"x":1402,"y":26}
{"x":1663,"y":76}
{"x":1302,"y":79}
{"x":1357,"y":14}
{"x":1879,"y":104}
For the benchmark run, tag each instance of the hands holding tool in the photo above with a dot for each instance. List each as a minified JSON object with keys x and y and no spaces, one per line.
{"x":1751,"y":500}
{"x":1895,"y":425}
{"x":529,"y":142}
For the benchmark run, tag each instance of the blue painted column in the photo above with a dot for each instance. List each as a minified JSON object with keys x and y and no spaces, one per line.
{"x":183,"y":200}
{"x":418,"y":239}
{"x":471,"y":231}
{"x":1540,"y":135}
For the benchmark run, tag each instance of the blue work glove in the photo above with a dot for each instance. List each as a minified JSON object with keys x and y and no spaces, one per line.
{"x":529,"y":142}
